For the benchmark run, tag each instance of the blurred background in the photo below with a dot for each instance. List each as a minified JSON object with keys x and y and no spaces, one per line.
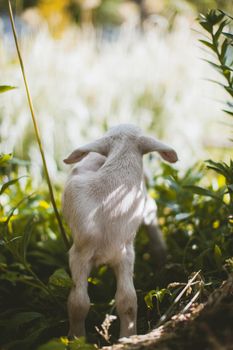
{"x":92,"y":64}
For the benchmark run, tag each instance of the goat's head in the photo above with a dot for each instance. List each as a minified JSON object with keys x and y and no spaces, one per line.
{"x":127,"y":135}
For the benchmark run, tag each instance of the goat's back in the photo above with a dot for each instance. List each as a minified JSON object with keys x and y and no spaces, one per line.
{"x":103,"y":208}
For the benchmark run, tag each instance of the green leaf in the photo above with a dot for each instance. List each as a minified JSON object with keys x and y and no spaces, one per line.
{"x":224,"y":50}
{"x":215,"y":82}
{"x":225,"y":14}
{"x":229,"y":90}
{"x":208,"y":44}
{"x":27,"y":198}
{"x":214,"y":16}
{"x":221,"y":168}
{"x":158,"y":294}
{"x":216,"y":66}
{"x":60,"y":278}
{"x":228,"y":112}
{"x":4,"y":88}
{"x":4,"y":158}
{"x":220,"y":29}
{"x":148,"y":299}
{"x":206,"y":26}
{"x":228,"y":35}
{"x":10,"y":183}
{"x":202,"y":191}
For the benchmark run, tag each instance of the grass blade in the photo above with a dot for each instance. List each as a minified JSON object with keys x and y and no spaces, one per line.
{"x":38,"y":138}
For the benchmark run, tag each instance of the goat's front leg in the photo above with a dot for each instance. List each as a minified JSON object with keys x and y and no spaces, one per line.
{"x":78,"y":301}
{"x":126,"y":299}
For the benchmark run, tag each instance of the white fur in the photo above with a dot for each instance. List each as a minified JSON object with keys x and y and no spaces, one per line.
{"x":103,"y":203}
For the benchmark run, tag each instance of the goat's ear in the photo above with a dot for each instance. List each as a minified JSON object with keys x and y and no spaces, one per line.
{"x":75,"y":156}
{"x":150,"y":144}
{"x":99,"y":146}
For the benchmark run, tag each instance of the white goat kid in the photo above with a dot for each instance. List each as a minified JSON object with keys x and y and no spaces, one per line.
{"x":103,"y":203}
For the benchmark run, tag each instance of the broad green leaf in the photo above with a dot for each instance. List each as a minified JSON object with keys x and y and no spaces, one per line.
{"x":9,"y":183}
{"x":4,"y":88}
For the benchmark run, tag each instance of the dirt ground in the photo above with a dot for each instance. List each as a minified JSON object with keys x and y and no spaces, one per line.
{"x":206,"y":326}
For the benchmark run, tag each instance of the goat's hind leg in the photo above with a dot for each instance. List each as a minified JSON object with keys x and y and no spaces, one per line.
{"x":126,"y":299}
{"x":78,"y":301}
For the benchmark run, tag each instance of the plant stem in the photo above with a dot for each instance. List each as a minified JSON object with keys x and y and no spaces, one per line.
{"x":58,"y":217}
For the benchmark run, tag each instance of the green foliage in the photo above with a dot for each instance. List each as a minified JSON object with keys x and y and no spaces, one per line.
{"x":34,"y":283}
{"x":196,"y":220}
{"x":9,"y":183}
{"x":65,"y":344}
{"x":34,"y":271}
{"x":155,"y":293}
{"x":4,"y":88}
{"x":218,"y":26}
